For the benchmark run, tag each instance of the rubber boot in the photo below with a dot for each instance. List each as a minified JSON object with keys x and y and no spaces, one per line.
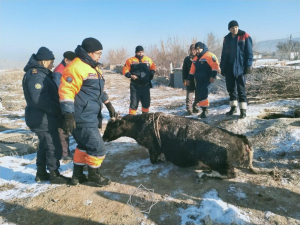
{"x":243,"y":113}
{"x":56,"y":178}
{"x":78,"y":176}
{"x":204,"y":112}
{"x":232,"y":111}
{"x":41,"y":174}
{"x":96,"y":177}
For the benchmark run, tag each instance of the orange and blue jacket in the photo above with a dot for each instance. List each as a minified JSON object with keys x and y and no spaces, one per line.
{"x":204,"y":66}
{"x":81,"y":91}
{"x":143,"y":68}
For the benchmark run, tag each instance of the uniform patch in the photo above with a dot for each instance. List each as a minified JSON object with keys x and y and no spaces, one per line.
{"x":34,"y":71}
{"x":69,"y":79}
{"x":214,"y":59}
{"x":92,"y":75}
{"x":38,"y":86}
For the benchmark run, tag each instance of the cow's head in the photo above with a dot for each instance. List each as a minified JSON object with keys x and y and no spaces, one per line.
{"x":114,"y":129}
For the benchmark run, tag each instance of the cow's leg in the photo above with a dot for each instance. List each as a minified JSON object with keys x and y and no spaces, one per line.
{"x":214,"y":174}
{"x":153,"y":155}
{"x":201,"y":165}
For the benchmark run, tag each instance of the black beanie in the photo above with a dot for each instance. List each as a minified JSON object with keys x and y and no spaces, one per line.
{"x":139,"y":48}
{"x":69,"y":55}
{"x":199,"y":45}
{"x":91,"y":45}
{"x":44,"y":54}
{"x":232,"y":23}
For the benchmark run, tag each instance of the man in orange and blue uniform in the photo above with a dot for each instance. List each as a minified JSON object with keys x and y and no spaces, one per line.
{"x":204,"y":70}
{"x":140,"y":69}
{"x":81,"y":96}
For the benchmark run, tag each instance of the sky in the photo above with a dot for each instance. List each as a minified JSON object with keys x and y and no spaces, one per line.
{"x":62,"y":25}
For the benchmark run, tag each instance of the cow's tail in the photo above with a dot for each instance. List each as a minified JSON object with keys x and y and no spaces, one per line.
{"x":252,"y":168}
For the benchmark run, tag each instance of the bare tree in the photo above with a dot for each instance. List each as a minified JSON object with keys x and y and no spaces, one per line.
{"x":213,"y":43}
{"x":117,"y":56}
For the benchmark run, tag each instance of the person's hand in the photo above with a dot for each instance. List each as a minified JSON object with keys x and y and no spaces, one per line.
{"x":111,"y":110}
{"x":188,"y":83}
{"x":211,"y":80}
{"x":69,"y":123}
{"x":184,"y":83}
{"x":133,"y":77}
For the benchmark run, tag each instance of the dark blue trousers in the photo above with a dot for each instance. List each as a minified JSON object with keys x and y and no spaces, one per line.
{"x":139,"y":93}
{"x":236,"y":86}
{"x":202,"y":90}
{"x":50,"y":150}
{"x":89,"y":140}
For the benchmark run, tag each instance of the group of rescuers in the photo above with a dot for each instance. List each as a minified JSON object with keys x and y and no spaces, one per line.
{"x":70,"y":99}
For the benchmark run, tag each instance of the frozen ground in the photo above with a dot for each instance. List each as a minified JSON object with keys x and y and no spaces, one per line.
{"x":248,"y":199}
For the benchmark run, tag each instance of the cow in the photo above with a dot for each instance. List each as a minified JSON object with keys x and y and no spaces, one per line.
{"x":185,"y":142}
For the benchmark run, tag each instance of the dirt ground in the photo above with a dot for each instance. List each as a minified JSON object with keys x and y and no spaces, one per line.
{"x":269,"y":199}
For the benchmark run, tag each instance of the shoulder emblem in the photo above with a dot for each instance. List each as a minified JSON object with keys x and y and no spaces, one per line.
{"x":69,"y":79}
{"x":38,"y":86}
{"x":34,"y":71}
{"x":214,"y":58}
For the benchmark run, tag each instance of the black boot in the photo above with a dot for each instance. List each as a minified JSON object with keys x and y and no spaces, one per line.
{"x":243,"y":113}
{"x":56,"y":178}
{"x":78,"y":176}
{"x":96,"y":177}
{"x":204,"y":112}
{"x":232,"y":110}
{"x":41,"y":174}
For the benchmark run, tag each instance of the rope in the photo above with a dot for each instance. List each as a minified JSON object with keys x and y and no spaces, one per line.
{"x":156,"y":129}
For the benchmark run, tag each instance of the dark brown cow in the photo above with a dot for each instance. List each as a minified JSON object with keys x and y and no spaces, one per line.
{"x":185,"y":142}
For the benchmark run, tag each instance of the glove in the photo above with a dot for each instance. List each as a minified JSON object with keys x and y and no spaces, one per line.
{"x":69,"y":123}
{"x":111,"y":110}
{"x":248,"y":70}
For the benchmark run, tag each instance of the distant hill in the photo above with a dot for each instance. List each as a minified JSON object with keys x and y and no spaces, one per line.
{"x":270,"y":46}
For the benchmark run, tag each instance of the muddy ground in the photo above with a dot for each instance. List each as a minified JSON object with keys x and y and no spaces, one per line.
{"x":264,"y":199}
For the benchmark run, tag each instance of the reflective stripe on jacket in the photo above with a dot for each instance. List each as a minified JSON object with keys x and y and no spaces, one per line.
{"x":82,"y":91}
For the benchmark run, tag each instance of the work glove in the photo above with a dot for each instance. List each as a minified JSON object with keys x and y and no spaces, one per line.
{"x":111,"y":110}
{"x":69,"y":123}
{"x":248,"y":70}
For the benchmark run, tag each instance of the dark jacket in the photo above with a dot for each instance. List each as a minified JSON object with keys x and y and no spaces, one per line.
{"x":42,"y":112}
{"x":58,"y":71}
{"x":244,"y":55}
{"x":186,"y":70}
{"x":82,"y":90}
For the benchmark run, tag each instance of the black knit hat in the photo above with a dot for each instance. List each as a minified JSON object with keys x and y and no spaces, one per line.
{"x":139,"y":48}
{"x":44,"y":54}
{"x":232,"y":23}
{"x":91,"y":45}
{"x":69,"y":55}
{"x":199,"y":45}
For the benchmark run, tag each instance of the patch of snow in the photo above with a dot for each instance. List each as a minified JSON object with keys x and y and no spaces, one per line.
{"x":238,"y":192}
{"x":144,"y":166}
{"x":218,"y":210}
{"x":18,"y":174}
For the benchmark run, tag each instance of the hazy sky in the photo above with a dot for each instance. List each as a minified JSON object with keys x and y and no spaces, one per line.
{"x":62,"y":25}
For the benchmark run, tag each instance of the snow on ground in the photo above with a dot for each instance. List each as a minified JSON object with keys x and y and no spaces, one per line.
{"x":214,"y":209}
{"x":18,"y":172}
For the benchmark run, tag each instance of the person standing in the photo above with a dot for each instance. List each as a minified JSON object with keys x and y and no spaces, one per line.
{"x":204,"y":70}
{"x":140,"y":69}
{"x":190,"y":89}
{"x":43,"y":115}
{"x":57,"y":73}
{"x":236,"y":62}
{"x":81,"y":95}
